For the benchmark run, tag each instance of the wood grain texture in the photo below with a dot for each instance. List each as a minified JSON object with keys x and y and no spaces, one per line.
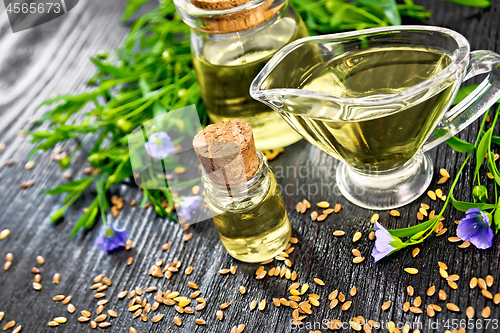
{"x":53,"y":59}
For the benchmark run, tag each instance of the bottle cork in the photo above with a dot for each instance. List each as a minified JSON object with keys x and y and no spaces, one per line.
{"x":227,"y":152}
{"x":238,"y":21}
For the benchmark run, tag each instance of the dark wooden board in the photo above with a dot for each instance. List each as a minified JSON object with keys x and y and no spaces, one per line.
{"x":54,"y":59}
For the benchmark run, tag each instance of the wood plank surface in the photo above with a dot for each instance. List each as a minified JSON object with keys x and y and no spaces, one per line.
{"x":54,"y":58}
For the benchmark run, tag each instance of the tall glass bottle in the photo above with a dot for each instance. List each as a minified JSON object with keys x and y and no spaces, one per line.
{"x":231,"y":41}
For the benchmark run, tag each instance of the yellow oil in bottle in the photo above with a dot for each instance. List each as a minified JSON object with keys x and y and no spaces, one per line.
{"x":256,"y":228}
{"x":226,"y":68}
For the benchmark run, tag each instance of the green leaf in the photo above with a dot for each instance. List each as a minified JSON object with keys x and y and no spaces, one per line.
{"x":463,"y":92}
{"x":496,"y":219}
{"x":410,"y":231}
{"x":89,"y":215}
{"x":132,"y":7}
{"x":464,"y":206}
{"x":72,"y":186}
{"x":459,"y":145}
{"x":495,"y":139}
{"x":112,"y":70}
{"x":472,"y":3}
{"x":493,"y":167}
{"x":482,"y":149}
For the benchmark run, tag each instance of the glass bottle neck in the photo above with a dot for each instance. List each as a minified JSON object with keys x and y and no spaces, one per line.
{"x":257,"y":184}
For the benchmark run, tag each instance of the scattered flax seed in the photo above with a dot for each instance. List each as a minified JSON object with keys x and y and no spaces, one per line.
{"x":104,"y":324}
{"x":431,"y":194}
{"x":27,"y":184}
{"x":294,"y":240}
{"x":394,"y":213}
{"x":486,"y":312}
{"x":417,"y":301}
{"x":233,"y":270}
{"x":276,"y":302}
{"x":386,"y":305}
{"x":166,"y":246}
{"x":56,"y":278}
{"x":322,"y":217}
{"x":122,"y":294}
{"x":357,"y":236}
{"x":443,"y":273}
{"x":487,"y":294}
{"x":60,"y":320}
{"x":431,"y":290}
{"x":241,"y":328}
{"x":481,"y":283}
{"x":319,"y":282}
{"x":4,"y":233}
{"x":442,"y":295}
{"x":420,"y":216}
{"x":415,"y":252}
{"x":157,"y":318}
{"x":7,"y":265}
{"x":93,"y":324}
{"x":371,"y":235}
{"x":470,"y":312}
{"x":328,"y":211}
{"x":40,"y":260}
{"x":99,"y":295}
{"x":453,"y":277}
{"x":262,"y":305}
{"x":464,"y":245}
{"x":406,"y":306}
{"x":375,"y":217}
{"x":442,"y":180}
{"x":452,"y":285}
{"x":338,"y":233}
{"x":337,"y":208}
{"x":10,"y":324}
{"x":346,"y":306}
{"x":187,"y":236}
{"x":423,"y":211}
{"x":353,"y":291}
{"x":358,"y":260}
{"x":356,"y":253}
{"x":496,"y":299}
{"x":416,"y":310}
{"x":253,"y":304}
{"x":489,"y":280}
{"x":195,"y":294}
{"x":219,"y":314}
{"x":189,"y":270}
{"x":267,"y":261}
{"x":200,"y":321}
{"x":411,"y":270}
{"x":442,"y":265}
{"x":410,"y":291}
{"x":37,"y":286}
{"x":29,"y":165}
{"x":452,"y":307}
{"x":224,"y":271}
{"x":323,"y":204}
{"x":314,"y":301}
{"x":454,"y":239}
{"x":441,"y":232}
{"x":80,"y":319}
{"x":53,"y":323}
{"x":430,"y":311}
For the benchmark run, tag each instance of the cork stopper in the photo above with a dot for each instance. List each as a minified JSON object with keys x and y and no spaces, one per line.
{"x":227,"y":152}
{"x":239,"y":21}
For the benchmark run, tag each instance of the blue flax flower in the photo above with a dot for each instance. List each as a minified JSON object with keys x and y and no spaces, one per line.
{"x":111,"y":239}
{"x":475,"y":228}
{"x":188,"y":205}
{"x":385,"y":243}
{"x":159,"y":145}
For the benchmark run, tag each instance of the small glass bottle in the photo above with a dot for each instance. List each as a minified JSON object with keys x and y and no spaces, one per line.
{"x":249,"y":215}
{"x":231,"y":41}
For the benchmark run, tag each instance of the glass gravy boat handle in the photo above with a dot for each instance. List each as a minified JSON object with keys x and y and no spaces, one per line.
{"x":476,"y":103}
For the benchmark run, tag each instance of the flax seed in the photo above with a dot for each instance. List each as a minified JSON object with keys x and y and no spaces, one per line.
{"x":489,"y":280}
{"x":337,"y":208}
{"x":452,"y":307}
{"x":40,"y":260}
{"x":486,"y":312}
{"x":80,"y":319}
{"x":166,"y":246}
{"x":443,"y":273}
{"x":394,"y":213}
{"x":314,"y":215}
{"x":442,"y":180}
{"x":411,"y":270}
{"x":487,"y":294}
{"x":346,"y":306}
{"x":338,"y":233}
{"x":224,"y":271}
{"x":319,"y":282}
{"x":481,"y":283}
{"x":406,"y":306}
{"x":375,"y":217}
{"x":356,"y":237}
{"x":371,"y":235}
{"x":356,"y":253}
{"x":10,"y":324}
{"x":417,"y":301}
{"x":431,"y":194}
{"x":386,"y":305}
{"x":430,"y":311}
{"x":253,"y":304}
{"x":323,"y":204}
{"x":334,"y":303}
{"x":442,"y":295}
{"x":470,"y":312}
{"x":415,"y":310}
